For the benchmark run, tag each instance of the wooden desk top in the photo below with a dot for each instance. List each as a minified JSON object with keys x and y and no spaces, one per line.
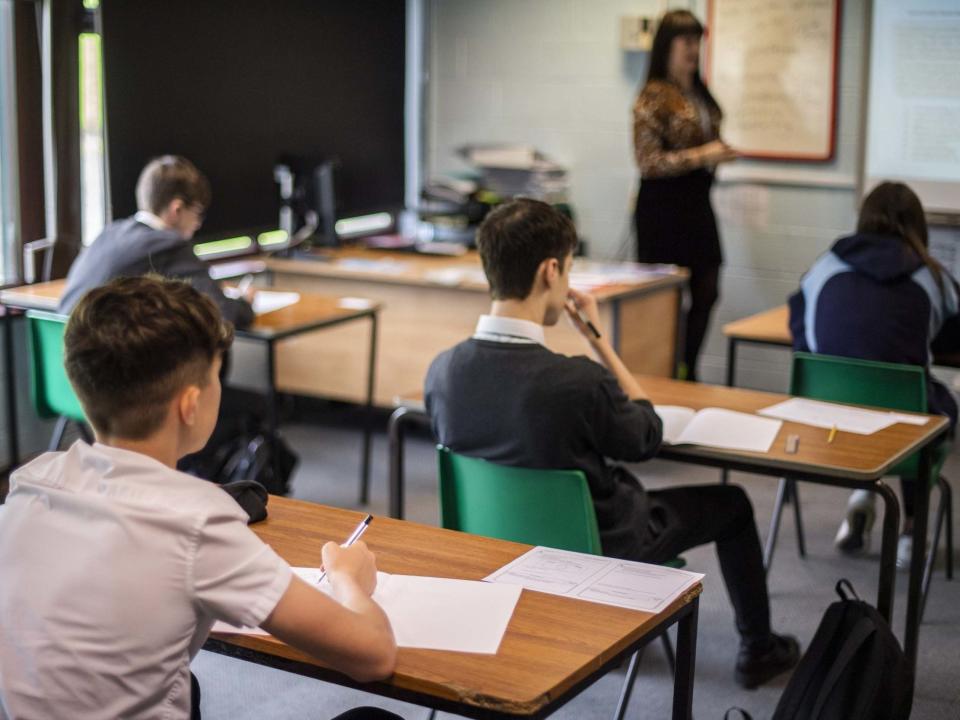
{"x":551,"y":645}
{"x":41,"y":296}
{"x":770,"y":326}
{"x":312,"y":311}
{"x":849,"y":456}
{"x":463,"y":272}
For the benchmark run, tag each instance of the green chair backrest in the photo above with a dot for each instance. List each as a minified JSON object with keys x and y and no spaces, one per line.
{"x":50,"y":389}
{"x":863,"y":382}
{"x":537,"y":507}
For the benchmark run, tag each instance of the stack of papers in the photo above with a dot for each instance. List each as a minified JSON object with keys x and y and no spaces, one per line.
{"x":431,"y":613}
{"x":714,"y":427}
{"x":632,"y":585}
{"x":843,"y":417}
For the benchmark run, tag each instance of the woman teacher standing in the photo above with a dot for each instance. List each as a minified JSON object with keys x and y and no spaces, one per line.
{"x":676,"y":130}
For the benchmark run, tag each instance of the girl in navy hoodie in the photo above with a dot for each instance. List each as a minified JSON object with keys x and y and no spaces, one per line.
{"x":879,"y":295}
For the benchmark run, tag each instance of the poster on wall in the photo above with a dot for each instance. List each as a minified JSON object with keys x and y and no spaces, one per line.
{"x":772,"y":66}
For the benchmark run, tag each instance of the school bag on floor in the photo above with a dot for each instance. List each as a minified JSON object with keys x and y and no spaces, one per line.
{"x":854,"y":668}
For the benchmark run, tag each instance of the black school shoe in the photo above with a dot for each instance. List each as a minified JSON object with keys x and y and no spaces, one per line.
{"x":755,"y":666}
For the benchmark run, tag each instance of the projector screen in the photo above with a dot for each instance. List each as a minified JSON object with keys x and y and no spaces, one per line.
{"x":913,"y":105}
{"x":235,"y":85}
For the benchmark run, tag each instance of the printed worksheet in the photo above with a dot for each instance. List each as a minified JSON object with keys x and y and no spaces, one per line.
{"x":626,"y":584}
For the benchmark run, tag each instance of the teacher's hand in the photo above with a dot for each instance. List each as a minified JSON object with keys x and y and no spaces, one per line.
{"x":716,"y":152}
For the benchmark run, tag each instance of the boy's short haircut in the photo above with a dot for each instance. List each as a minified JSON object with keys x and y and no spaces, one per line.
{"x":168,"y":177}
{"x":133,"y":343}
{"x":515,"y":238}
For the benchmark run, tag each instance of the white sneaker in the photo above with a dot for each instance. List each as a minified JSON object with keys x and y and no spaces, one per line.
{"x":904,"y":552}
{"x":853,"y":536}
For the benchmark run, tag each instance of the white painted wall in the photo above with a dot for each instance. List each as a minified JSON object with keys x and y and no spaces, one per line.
{"x":550,"y":73}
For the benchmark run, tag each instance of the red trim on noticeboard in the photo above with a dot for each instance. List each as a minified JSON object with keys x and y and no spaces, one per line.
{"x":835,"y":69}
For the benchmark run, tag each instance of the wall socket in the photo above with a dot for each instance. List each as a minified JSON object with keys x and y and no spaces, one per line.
{"x":636,"y":33}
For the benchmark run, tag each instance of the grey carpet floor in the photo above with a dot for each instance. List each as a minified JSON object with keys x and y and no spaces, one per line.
{"x":800,"y":590}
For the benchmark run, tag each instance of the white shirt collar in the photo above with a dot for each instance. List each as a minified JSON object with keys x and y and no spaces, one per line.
{"x":150,"y":220}
{"x":509,"y":330}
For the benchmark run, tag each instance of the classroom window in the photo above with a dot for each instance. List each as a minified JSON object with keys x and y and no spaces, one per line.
{"x":8,"y":162}
{"x":93,"y":176}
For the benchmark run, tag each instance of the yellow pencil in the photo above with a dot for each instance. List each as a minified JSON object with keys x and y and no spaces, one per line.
{"x":832,"y":435}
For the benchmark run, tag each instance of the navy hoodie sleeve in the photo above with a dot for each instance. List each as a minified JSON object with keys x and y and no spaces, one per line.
{"x":798,"y":306}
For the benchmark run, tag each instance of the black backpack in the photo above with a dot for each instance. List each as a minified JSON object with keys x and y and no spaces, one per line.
{"x":854,"y":668}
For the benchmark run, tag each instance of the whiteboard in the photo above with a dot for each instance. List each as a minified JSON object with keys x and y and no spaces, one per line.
{"x":913,"y":103}
{"x":772,"y":66}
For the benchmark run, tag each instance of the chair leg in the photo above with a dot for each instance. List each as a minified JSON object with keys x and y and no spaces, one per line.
{"x":771,"y":543}
{"x":627,"y":688}
{"x":797,"y":517}
{"x":432,"y":714}
{"x":932,"y":552}
{"x":58,"y":431}
{"x":668,"y":650}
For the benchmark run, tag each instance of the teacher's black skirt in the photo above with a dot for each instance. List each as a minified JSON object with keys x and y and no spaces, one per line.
{"x":675,"y":223}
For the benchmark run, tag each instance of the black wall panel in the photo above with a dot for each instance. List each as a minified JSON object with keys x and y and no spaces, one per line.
{"x":232,"y":85}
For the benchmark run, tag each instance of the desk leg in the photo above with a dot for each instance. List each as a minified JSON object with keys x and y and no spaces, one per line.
{"x":13,"y":436}
{"x":888,"y":550}
{"x":686,"y":663}
{"x":368,"y":414}
{"x":395,"y":440}
{"x":273,"y":413}
{"x":731,"y":361}
{"x":920,"y":505}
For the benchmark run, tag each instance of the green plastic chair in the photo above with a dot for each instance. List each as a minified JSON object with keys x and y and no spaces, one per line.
{"x":552,"y":508}
{"x":50,"y":389}
{"x":886,"y":385}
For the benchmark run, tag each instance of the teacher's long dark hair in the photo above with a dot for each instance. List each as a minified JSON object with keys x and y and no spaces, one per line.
{"x":674,"y":24}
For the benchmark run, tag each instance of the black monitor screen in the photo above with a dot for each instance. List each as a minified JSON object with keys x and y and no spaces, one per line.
{"x":233,"y":86}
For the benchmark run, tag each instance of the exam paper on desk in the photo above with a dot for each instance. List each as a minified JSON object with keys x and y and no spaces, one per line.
{"x":717,"y":428}
{"x":844,"y":417}
{"x":431,"y":613}
{"x":265,"y":301}
{"x":626,"y":584}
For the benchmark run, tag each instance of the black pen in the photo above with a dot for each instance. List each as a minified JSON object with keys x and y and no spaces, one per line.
{"x":585,"y":320}
{"x":354,"y":536}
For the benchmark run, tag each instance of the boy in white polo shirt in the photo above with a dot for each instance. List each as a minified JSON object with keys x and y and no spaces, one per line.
{"x":114,"y":566}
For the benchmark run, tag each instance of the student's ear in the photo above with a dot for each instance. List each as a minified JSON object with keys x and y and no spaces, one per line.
{"x":187,"y":405}
{"x":549,"y":270}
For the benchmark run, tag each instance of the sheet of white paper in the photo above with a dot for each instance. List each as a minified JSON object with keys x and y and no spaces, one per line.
{"x":827,"y":415}
{"x":675,"y":420}
{"x":909,"y":419}
{"x":446,"y":614}
{"x":386,"y":267}
{"x":354,"y":303}
{"x":265,"y":301}
{"x":632,"y":585}
{"x":432,"y":613}
{"x":730,"y":430}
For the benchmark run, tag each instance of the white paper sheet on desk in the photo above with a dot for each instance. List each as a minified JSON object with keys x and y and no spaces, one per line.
{"x":626,"y":584}
{"x":386,"y":267}
{"x":827,"y":415}
{"x":265,"y":301}
{"x":718,"y":428}
{"x":432,"y":613}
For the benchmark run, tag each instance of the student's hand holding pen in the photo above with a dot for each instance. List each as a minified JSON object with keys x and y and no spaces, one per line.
{"x":582,"y":310}
{"x":350,"y":567}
